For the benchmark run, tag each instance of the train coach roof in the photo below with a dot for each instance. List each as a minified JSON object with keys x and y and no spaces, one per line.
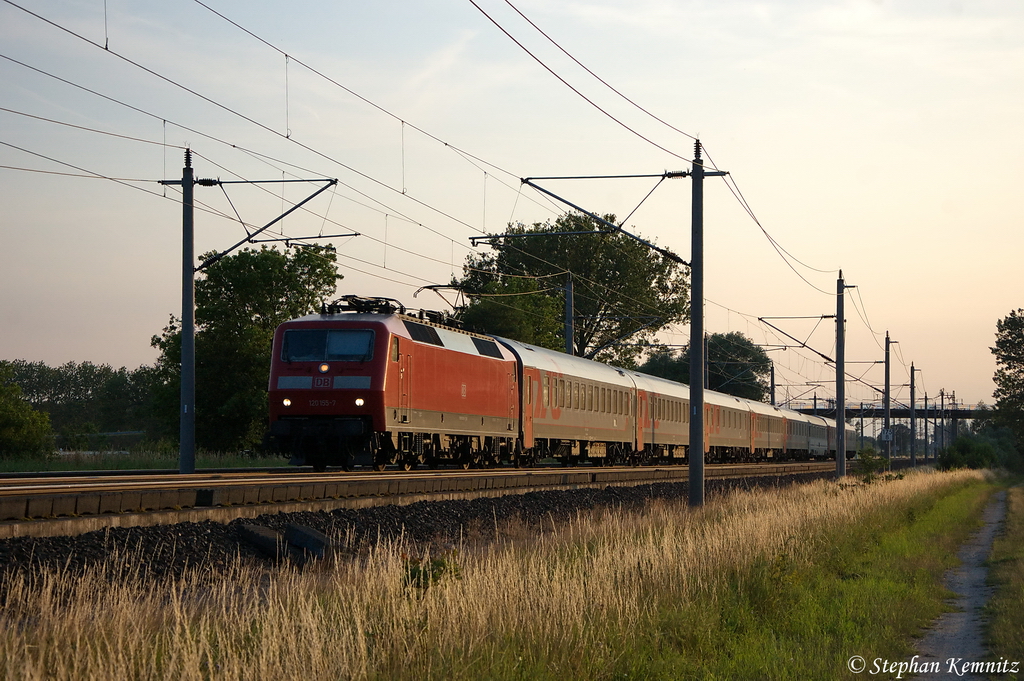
{"x":660,"y":386}
{"x":766,"y":409}
{"x":669,"y":388}
{"x":553,"y":361}
{"x":809,"y":418}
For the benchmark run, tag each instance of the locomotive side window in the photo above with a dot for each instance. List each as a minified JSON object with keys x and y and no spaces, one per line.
{"x":487,"y":348}
{"x":319,"y":345}
{"x":394,"y":349}
{"x":544,"y":389}
{"x":561,"y":393}
{"x":423,"y":333}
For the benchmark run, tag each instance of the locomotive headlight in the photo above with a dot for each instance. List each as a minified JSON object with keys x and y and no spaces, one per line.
{"x":287,"y":401}
{"x":360,"y":401}
{"x":324,"y":368}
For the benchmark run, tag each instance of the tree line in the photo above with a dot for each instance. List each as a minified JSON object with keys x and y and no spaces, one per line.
{"x":78,"y":405}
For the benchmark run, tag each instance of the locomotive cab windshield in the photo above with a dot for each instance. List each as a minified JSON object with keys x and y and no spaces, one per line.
{"x":327,"y":345}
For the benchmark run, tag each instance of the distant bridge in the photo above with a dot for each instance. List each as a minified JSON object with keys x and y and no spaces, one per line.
{"x":933,"y":413}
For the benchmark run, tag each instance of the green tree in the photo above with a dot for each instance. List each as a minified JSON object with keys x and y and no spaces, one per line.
{"x":735,"y":366}
{"x":991,"y":447}
{"x":240,"y":300}
{"x":1009,"y":376}
{"x":23,"y":429}
{"x":623,"y":291}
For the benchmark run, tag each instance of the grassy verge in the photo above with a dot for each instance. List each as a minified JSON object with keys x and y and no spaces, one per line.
{"x":775,"y":584}
{"x":102,"y":461}
{"x":804,"y":611}
{"x":1005,"y":627}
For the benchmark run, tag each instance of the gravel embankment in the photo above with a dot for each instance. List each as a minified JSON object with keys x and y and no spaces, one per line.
{"x":169,"y":550}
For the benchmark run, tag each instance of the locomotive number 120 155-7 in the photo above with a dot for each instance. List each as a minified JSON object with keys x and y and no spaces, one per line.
{"x":323,"y":403}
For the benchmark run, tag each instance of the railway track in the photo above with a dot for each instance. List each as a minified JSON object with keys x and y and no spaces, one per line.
{"x":74,"y":504}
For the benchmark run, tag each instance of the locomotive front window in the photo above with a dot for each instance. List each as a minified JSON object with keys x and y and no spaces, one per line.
{"x":327,"y":345}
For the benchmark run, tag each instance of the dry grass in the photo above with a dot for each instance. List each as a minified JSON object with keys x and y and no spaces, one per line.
{"x":587,"y":600}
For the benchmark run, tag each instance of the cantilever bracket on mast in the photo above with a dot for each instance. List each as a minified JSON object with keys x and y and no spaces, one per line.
{"x":764,"y":320}
{"x":249,"y":238}
{"x":618,"y":228}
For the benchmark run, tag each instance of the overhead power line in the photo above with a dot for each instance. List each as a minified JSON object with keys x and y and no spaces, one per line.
{"x":573,"y":88}
{"x":290,"y":58}
{"x":95,"y":130}
{"x":243,"y":116}
{"x":270,"y":160}
{"x":730,"y":182}
{"x":599,"y":78}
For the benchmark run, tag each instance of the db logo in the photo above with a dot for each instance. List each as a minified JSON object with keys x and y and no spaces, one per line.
{"x":322,"y":382}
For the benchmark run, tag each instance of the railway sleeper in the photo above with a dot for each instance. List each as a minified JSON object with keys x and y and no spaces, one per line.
{"x":298,"y":544}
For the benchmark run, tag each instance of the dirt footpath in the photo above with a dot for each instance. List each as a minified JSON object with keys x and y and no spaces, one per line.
{"x":958,"y":635}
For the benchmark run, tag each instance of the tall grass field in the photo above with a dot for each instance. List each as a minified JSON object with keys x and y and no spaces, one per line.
{"x":764,"y":584}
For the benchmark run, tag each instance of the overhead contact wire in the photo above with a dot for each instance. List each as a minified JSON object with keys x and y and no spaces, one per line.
{"x":244,"y":117}
{"x":571,"y":87}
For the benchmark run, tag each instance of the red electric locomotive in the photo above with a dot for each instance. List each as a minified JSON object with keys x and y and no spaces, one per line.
{"x":378,"y":387}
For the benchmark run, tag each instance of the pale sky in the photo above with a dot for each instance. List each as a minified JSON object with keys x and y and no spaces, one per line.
{"x":882,"y":138}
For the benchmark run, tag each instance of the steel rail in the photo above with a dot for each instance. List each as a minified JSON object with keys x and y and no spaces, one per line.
{"x":83,"y":485}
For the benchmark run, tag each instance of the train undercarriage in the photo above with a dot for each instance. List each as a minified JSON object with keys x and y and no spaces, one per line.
{"x":351,"y":442}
